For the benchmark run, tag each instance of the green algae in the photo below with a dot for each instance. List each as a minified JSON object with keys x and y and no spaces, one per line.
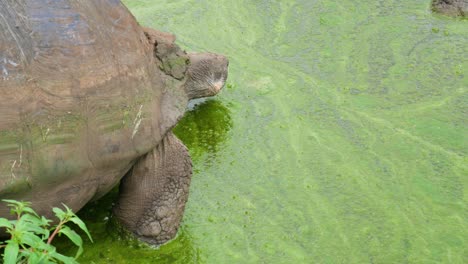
{"x":341,"y":137}
{"x":205,"y":136}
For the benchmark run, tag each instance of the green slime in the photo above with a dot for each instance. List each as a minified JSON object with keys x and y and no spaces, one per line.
{"x":341,"y":137}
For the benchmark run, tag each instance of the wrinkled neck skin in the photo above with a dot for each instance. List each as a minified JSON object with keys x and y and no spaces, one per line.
{"x":187,"y":75}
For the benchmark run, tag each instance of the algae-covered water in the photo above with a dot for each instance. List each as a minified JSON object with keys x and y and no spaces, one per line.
{"x":341,"y":137}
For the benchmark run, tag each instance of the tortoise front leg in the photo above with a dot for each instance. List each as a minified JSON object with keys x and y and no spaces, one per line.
{"x":154,"y":192}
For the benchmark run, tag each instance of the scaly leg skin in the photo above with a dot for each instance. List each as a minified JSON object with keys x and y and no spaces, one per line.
{"x":154,"y":192}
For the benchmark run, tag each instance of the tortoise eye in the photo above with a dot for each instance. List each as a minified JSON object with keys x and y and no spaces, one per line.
{"x":218,"y":76}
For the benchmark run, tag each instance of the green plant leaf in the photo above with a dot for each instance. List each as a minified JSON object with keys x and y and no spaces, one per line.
{"x":45,"y":222}
{"x":43,"y":258}
{"x":11,"y":252}
{"x":59,"y":213}
{"x":29,"y":232}
{"x":46,"y":247}
{"x":6,"y":223}
{"x":33,"y":257}
{"x":29,"y":223}
{"x":29,"y":210}
{"x":24,"y":254}
{"x":40,"y":257}
{"x":32,"y":219}
{"x":82,"y":225}
{"x":18,"y":207}
{"x":16,"y":203}
{"x":62,"y":258}
{"x":74,"y":237}
{"x":69,"y":213}
{"x":32,"y":240}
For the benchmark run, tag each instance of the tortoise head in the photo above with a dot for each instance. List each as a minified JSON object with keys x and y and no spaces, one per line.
{"x":190,"y":75}
{"x":206,"y":74}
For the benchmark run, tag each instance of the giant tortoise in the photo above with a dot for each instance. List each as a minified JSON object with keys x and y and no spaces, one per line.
{"x":88,"y":98}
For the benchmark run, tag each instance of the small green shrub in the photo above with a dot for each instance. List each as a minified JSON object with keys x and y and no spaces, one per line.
{"x":32,"y":236}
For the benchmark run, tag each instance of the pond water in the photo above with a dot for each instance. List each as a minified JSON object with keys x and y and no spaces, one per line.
{"x":340,"y":138}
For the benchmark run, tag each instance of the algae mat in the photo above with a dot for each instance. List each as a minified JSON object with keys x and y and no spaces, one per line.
{"x":341,"y":137}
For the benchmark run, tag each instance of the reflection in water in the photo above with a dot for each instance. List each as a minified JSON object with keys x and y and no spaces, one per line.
{"x":205,"y":127}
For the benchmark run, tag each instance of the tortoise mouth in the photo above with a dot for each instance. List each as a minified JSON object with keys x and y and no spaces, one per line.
{"x":220,"y":81}
{"x":218,"y":86}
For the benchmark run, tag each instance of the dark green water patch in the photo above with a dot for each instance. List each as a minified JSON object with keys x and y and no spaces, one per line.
{"x":204,"y":128}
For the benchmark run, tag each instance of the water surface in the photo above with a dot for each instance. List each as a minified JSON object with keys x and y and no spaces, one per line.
{"x":341,"y":137}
